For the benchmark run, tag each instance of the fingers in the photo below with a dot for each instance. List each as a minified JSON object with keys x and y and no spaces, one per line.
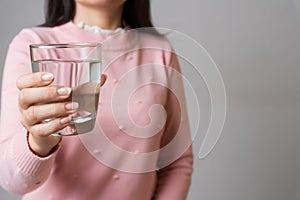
{"x":34,"y":104}
{"x":32,"y":92}
{"x":38,"y":113}
{"x":30,"y":96}
{"x":39,"y":79}
{"x":53,"y":126}
{"x":34,"y":80}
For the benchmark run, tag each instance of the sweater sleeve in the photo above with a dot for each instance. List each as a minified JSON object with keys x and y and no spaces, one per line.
{"x":174,"y":178}
{"x":21,"y":171}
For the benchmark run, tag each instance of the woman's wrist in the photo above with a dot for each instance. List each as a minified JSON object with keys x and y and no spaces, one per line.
{"x":42,"y":150}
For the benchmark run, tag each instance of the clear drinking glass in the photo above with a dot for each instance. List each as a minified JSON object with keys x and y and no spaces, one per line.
{"x":77,"y":66}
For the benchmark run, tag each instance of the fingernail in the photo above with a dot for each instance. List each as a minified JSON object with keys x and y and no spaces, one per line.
{"x":64,"y":91}
{"x":72,"y":106}
{"x":65,"y":120}
{"x":47,"y":77}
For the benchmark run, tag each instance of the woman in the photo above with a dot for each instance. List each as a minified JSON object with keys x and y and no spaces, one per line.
{"x":39,"y":165}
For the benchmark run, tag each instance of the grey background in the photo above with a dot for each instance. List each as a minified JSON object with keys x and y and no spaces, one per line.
{"x":256,"y":46}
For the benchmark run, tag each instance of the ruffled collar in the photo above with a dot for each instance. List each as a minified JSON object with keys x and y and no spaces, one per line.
{"x":99,"y":30}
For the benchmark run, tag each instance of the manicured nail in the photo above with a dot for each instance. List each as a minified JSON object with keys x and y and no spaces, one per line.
{"x":47,"y":77}
{"x":64,"y":91}
{"x":72,"y":106}
{"x":65,"y":120}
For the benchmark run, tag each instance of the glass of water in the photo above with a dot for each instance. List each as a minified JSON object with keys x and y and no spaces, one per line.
{"x":77,"y":66}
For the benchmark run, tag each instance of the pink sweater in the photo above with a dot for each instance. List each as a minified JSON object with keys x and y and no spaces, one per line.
{"x":120,"y":159}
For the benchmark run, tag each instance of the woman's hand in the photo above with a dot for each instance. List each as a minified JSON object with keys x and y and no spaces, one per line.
{"x":35,"y":107}
{"x":33,"y":98}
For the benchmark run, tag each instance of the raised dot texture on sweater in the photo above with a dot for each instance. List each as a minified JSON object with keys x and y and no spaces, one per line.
{"x":97,"y":151}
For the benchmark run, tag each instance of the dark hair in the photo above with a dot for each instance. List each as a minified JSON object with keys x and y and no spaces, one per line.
{"x":136,"y":13}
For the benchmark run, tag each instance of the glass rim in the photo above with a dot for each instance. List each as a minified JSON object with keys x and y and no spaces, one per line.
{"x":64,"y":45}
